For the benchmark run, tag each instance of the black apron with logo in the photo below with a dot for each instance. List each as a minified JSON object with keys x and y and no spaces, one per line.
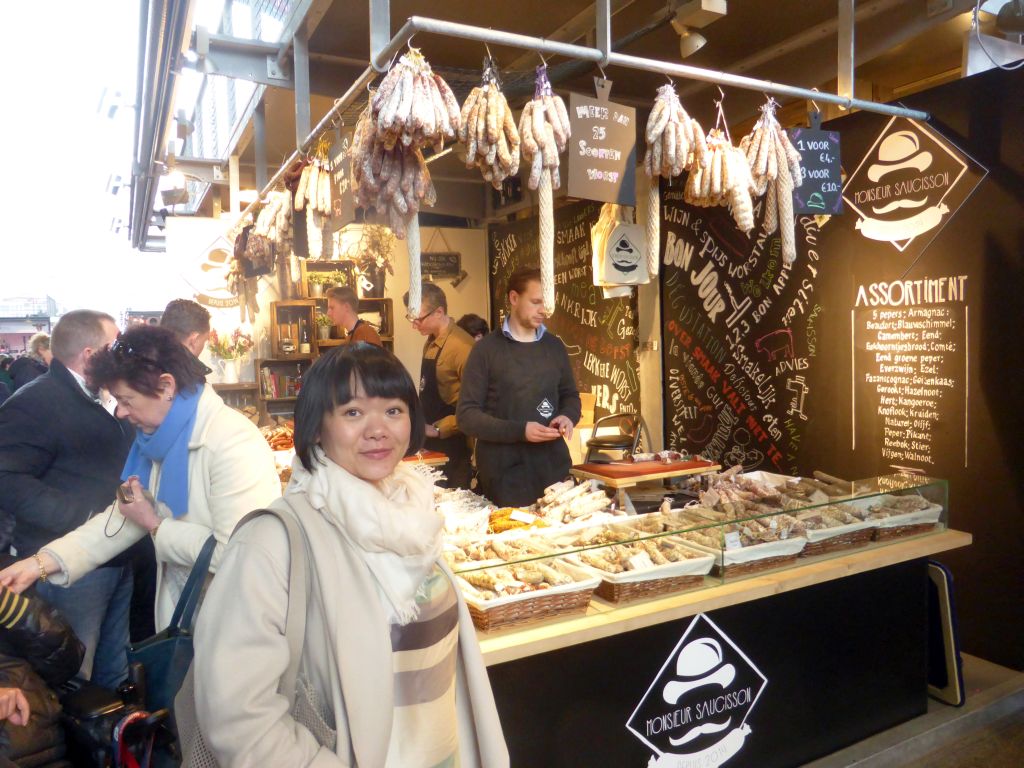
{"x":458,"y":469}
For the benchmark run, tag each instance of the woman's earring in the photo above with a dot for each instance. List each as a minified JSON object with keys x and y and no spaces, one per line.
{"x":169,"y":398}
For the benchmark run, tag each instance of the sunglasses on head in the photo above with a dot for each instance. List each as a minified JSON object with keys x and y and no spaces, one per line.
{"x":123,"y":351}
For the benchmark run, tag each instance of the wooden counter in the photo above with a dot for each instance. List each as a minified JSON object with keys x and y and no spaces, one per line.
{"x":604,"y":619}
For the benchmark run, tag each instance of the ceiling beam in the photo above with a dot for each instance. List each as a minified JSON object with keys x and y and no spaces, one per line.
{"x":306,"y":15}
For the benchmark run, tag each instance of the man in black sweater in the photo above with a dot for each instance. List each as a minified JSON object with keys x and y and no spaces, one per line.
{"x":61,"y":456}
{"x":519,"y":399}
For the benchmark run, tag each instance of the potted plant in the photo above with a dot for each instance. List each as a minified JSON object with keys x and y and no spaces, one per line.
{"x":323,"y":326}
{"x":337,"y":277}
{"x":316,"y":281}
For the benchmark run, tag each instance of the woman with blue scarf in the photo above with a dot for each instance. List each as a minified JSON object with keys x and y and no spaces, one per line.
{"x":196,"y":468}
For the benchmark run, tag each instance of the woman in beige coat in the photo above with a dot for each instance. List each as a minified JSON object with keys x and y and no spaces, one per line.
{"x":196,"y":468}
{"x":390,"y":661}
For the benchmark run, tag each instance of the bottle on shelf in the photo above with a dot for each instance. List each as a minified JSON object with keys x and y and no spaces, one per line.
{"x":304,"y":344}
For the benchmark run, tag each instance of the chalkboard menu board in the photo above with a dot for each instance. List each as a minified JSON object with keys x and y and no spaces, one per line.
{"x":602,"y":150}
{"x":440,"y":263}
{"x":909,"y":369}
{"x":739,"y":336}
{"x":599,"y":334}
{"x":822,"y":189}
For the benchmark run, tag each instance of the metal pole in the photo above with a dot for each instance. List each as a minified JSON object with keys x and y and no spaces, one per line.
{"x":380,"y":26}
{"x":417,"y":24}
{"x":354,"y":91}
{"x":844,"y":78}
{"x":603,"y":26}
{"x":300,"y":50}
{"x":259,"y":137}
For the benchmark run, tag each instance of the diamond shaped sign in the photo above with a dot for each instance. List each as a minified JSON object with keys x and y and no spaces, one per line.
{"x":909,"y":184}
{"x":694,"y":714}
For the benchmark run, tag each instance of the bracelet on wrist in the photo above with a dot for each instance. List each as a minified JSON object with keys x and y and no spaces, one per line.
{"x":42,"y":569}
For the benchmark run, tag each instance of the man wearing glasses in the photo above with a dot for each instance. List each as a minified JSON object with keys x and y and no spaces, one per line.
{"x":444,"y":356}
{"x":343,"y":310}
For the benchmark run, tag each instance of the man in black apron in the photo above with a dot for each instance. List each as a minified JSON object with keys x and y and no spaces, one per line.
{"x":519,"y":400}
{"x":444,"y":357}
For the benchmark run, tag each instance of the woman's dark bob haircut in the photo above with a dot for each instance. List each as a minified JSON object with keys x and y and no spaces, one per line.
{"x":330,"y":382}
{"x":139,"y":357}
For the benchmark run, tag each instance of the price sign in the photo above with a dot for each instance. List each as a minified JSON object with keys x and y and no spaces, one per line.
{"x":602,"y":150}
{"x":822,"y":189}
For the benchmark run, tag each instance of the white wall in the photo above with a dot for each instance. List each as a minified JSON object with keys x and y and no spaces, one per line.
{"x":469,"y":296}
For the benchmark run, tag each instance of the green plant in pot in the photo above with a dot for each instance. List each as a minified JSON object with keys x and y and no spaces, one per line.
{"x":317,"y":281}
{"x":323,"y":326}
{"x":337,"y":277}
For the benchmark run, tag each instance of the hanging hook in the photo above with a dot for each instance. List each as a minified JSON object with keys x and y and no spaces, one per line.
{"x":601,"y":70}
{"x":408,"y":43}
{"x":490,"y":56}
{"x":721,"y":94}
{"x":814,"y":103}
{"x":543,"y":60}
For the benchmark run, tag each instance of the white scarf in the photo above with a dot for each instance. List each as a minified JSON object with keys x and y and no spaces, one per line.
{"x":392,"y":525}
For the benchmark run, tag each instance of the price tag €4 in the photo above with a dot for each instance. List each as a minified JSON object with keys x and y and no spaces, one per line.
{"x":640,"y":562}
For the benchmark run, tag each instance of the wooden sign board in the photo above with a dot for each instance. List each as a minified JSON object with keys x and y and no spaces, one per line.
{"x":602,"y":150}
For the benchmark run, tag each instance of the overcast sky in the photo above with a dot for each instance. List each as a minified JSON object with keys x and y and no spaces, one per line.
{"x":61,"y":148}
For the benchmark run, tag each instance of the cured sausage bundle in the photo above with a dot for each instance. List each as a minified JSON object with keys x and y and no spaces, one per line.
{"x":544,"y":131}
{"x":724,"y":180}
{"x":488,"y":130}
{"x":414,"y":105}
{"x":775,"y":167}
{"x":675,"y":141}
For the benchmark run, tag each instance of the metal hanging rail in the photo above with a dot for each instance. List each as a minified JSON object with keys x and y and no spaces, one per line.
{"x":415,"y":24}
{"x":326,"y":122}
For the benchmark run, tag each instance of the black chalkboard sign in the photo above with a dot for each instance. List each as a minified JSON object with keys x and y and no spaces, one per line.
{"x":600,"y":334}
{"x":441,"y":263}
{"x":739,"y":335}
{"x":822,"y":189}
{"x":602,"y":150}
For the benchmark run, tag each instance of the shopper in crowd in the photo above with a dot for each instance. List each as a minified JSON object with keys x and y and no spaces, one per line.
{"x":32,"y":364}
{"x":61,"y":455}
{"x":519,"y":399}
{"x":208,"y":464}
{"x":343,"y":310}
{"x":5,"y":371}
{"x":38,"y":652}
{"x":474,"y":325}
{"x":444,"y":357}
{"x":390,"y":649}
{"x":190,"y":322}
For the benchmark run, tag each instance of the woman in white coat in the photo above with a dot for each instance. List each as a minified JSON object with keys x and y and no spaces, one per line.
{"x":390,"y":663}
{"x":196,"y":468}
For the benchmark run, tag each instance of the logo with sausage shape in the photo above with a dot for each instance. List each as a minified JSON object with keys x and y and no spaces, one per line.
{"x":904,"y":187}
{"x":694,"y":714}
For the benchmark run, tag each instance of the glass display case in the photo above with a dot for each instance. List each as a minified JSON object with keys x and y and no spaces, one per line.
{"x":546,"y":562}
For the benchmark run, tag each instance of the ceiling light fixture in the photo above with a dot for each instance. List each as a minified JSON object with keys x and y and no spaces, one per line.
{"x":691,"y":16}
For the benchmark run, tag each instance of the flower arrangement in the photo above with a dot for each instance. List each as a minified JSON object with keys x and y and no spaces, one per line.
{"x":237,"y":345}
{"x":323,"y":321}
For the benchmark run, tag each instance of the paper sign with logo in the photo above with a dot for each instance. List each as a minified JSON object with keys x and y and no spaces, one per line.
{"x":694,"y":714}
{"x":909,"y":185}
{"x":618,"y":248}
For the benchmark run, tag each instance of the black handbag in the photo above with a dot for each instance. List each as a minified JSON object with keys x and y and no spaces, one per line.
{"x":166,"y":656}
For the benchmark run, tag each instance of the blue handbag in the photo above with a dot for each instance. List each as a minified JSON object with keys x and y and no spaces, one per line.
{"x":166,"y":656}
